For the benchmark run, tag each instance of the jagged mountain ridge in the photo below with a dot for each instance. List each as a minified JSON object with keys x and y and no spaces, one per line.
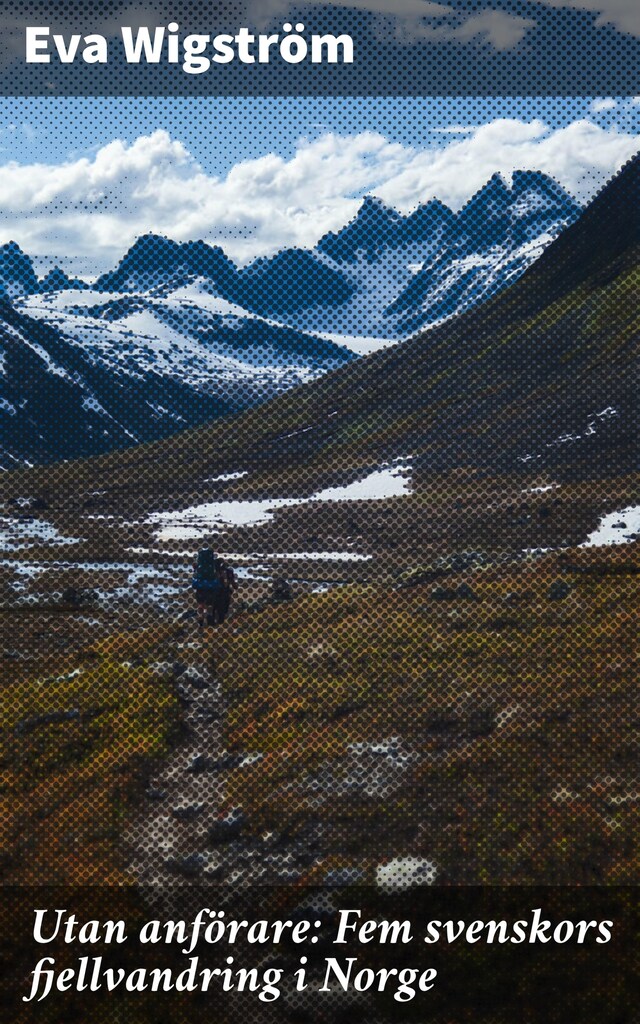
{"x":17,"y":276}
{"x":498,"y":234}
{"x":57,"y":280}
{"x":383,"y":274}
{"x":154,"y":261}
{"x":377,"y":227}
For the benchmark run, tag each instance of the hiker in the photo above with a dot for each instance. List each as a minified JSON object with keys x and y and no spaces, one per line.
{"x":213,"y":583}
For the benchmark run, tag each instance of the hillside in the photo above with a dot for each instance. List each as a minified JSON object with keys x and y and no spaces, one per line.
{"x":87,"y":372}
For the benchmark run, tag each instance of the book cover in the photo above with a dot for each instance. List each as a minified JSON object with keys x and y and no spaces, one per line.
{"x":318,"y":411}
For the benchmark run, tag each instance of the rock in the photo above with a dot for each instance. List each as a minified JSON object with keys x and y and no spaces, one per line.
{"x":601,"y":569}
{"x":207,"y":714}
{"x":168,"y":671}
{"x":418,"y":577}
{"x":184,"y":694}
{"x":228,"y":763}
{"x":289,"y":876}
{"x":318,"y":905}
{"x":344,"y":710}
{"x":200,"y":763}
{"x":163,"y":670}
{"x":71,"y":596}
{"x":193,"y":678}
{"x":441,"y":721}
{"x":551,"y":715}
{"x":155,"y":794}
{"x":461,"y":593}
{"x":189,"y":866}
{"x":392,"y":748}
{"x":405,"y":873}
{"x":341,"y":878}
{"x":481,"y":722}
{"x":75,"y":598}
{"x":305,"y":858}
{"x":563,"y":794}
{"x":521,"y":597}
{"x":504,"y":622}
{"x":250,"y":760}
{"x":213,"y":869}
{"x":558,"y":591}
{"x":28,"y":725}
{"x":187,"y":812}
{"x":227,"y":826}
{"x":509,"y":714}
{"x":281,"y":591}
{"x":323,"y":656}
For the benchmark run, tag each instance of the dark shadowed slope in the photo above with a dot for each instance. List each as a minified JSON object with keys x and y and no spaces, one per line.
{"x":81,"y":377}
{"x":57,"y":402}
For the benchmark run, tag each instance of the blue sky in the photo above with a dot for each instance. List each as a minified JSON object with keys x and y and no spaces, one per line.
{"x":221,"y":132}
{"x":80,"y":179}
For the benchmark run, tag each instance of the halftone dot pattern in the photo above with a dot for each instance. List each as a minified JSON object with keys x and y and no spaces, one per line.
{"x":461,"y":51}
{"x":427,"y":673}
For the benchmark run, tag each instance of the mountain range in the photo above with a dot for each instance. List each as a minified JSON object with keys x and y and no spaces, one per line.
{"x":540,"y":378}
{"x":177,"y":334}
{"x":433,"y":637}
{"x":85,"y":372}
{"x":383,"y":275}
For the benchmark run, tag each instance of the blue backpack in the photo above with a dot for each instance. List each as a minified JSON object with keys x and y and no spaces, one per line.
{"x":209,"y":572}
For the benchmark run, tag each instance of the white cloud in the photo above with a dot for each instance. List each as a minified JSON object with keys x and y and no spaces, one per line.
{"x":621,"y":14}
{"x":417,"y":20}
{"x":92,"y":209}
{"x":601,"y":106}
{"x":410,"y":11}
{"x":502,"y":30}
{"x":581,"y":156}
{"x":456,"y":129}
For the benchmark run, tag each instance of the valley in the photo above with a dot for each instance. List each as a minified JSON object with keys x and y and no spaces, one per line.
{"x":178,"y":335}
{"x":445,"y":693}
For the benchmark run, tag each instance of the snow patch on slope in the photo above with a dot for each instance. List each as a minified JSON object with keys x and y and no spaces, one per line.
{"x":196,"y":522}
